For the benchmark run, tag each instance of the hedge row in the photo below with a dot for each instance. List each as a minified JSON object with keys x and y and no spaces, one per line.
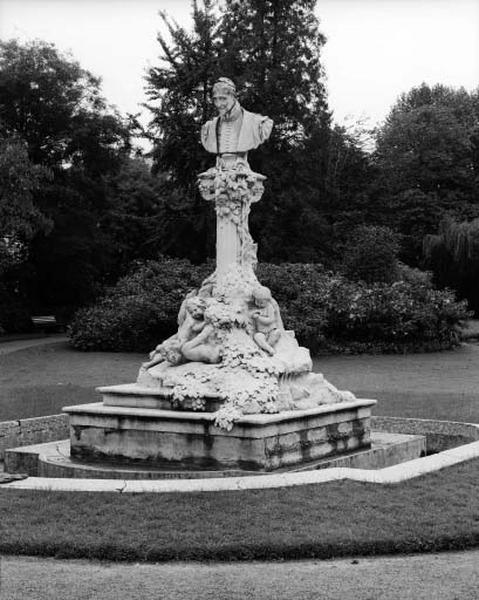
{"x":327,"y":311}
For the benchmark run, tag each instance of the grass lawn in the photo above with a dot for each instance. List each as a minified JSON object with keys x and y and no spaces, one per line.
{"x":439,"y":385}
{"x":435,"y":512}
{"x":442,"y":385}
{"x":41,"y":380}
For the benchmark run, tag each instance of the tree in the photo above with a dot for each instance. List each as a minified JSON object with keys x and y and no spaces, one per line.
{"x":20,"y":219}
{"x":453,"y":255}
{"x":272,"y":49}
{"x":53,"y":104}
{"x":371,"y":255}
{"x":427,"y":157}
{"x":346,"y":202}
{"x":178,"y":93}
{"x":136,"y":218}
{"x":56,"y":107}
{"x":178,"y":98}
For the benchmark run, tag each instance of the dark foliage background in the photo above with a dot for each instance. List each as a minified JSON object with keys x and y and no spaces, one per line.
{"x":328,"y":312}
{"x":78,"y":206}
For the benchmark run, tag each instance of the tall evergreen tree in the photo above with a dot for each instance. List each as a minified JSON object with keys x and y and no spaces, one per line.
{"x":178,"y":92}
{"x":272,"y":50}
{"x":178,"y":98}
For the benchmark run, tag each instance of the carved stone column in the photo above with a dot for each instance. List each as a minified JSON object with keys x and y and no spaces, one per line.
{"x":233,"y":190}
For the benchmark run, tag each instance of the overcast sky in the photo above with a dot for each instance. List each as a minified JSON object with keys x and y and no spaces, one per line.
{"x":376,"y":49}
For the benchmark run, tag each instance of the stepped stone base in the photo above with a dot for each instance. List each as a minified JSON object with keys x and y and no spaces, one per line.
{"x":52,"y":459}
{"x":140,"y":396}
{"x":190,"y":440}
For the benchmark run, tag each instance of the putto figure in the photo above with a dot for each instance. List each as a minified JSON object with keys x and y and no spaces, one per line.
{"x":235,"y":130}
{"x":266,"y":320}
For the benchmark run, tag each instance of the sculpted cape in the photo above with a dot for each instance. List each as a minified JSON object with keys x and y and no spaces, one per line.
{"x":255,"y":129}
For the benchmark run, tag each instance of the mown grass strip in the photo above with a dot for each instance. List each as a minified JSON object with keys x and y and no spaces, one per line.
{"x":436,"y":512}
{"x":42,"y":380}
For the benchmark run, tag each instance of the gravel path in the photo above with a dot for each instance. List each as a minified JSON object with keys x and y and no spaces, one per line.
{"x":445,"y":576}
{"x":7,"y":347}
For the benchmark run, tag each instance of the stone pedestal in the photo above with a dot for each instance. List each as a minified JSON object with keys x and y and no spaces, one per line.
{"x":52,"y":459}
{"x":190,"y":440}
{"x":232,"y":191}
{"x":231,"y":358}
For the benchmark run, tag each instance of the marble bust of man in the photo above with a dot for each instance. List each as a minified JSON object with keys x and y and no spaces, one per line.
{"x":235,"y":130}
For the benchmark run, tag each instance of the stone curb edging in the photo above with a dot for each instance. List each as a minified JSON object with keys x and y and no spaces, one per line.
{"x":50,"y":428}
{"x":32,"y":430}
{"x":394,"y":474}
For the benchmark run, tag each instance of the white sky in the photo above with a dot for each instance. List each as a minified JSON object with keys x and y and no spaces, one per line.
{"x":376,"y":49}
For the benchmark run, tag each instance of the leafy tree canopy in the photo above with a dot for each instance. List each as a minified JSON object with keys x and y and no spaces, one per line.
{"x":20,"y":219}
{"x":272,"y":50}
{"x":428,"y":141}
{"x":55,"y":107}
{"x":48,"y":100}
{"x":141,"y":213}
{"x":427,"y":160}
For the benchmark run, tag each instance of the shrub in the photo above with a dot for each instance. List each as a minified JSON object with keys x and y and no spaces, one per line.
{"x":330,"y":313}
{"x":413,"y":275}
{"x":140,"y":310}
{"x":398,"y":317}
{"x":327,"y":311}
{"x":371,"y":255}
{"x":301,"y":291}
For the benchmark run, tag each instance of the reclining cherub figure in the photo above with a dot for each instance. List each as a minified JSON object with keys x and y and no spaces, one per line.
{"x":190,"y":323}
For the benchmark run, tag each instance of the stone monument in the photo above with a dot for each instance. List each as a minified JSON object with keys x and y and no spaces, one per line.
{"x":232,"y":388}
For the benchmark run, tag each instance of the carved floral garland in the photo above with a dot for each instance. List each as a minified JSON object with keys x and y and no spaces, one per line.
{"x":245,"y":379}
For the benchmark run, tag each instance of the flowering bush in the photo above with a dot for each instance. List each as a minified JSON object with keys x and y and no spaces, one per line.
{"x":328,"y":312}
